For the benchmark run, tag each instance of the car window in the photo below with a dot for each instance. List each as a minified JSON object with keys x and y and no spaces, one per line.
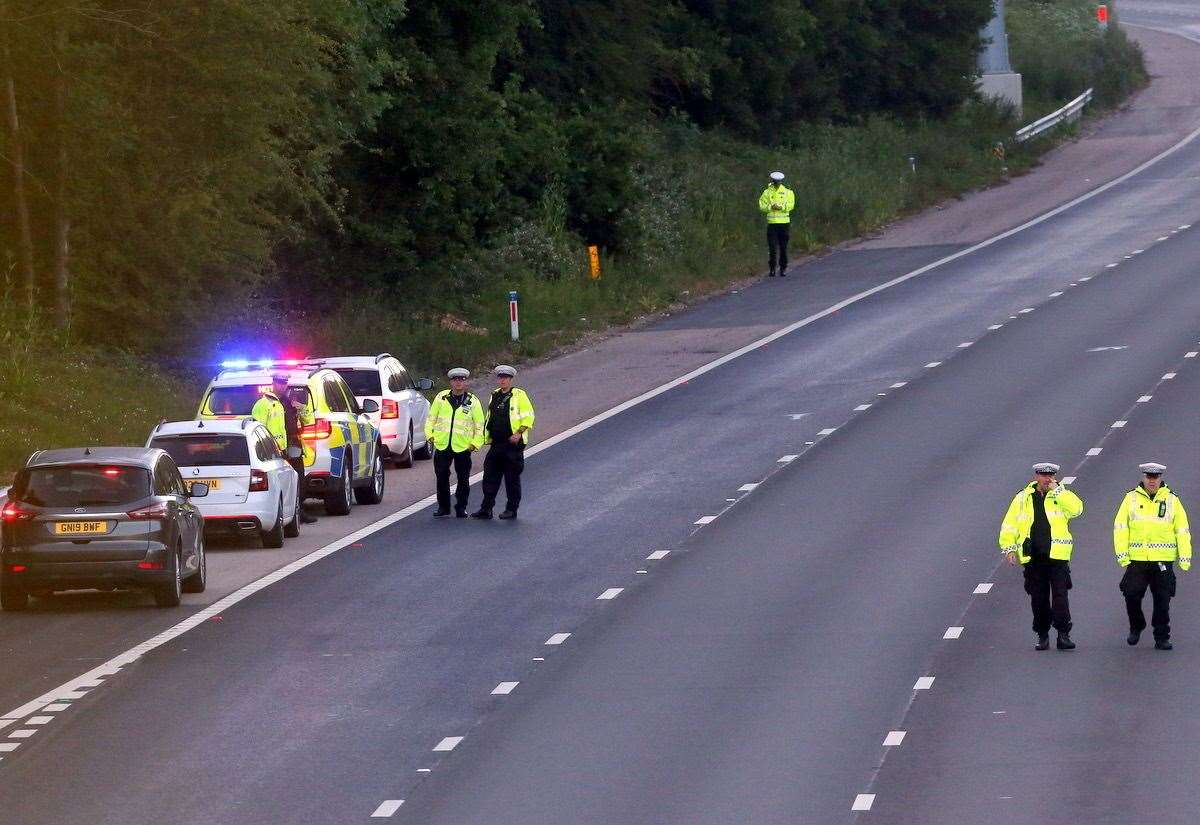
{"x":405,"y":381}
{"x":81,"y":485}
{"x":268,"y":449}
{"x":162,"y":479}
{"x":177,"y":484}
{"x":232,"y":400}
{"x":361,"y":381}
{"x":214,"y":450}
{"x":334,"y":398}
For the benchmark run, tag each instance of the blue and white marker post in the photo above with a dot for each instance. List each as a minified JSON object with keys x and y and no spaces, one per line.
{"x":512,"y":316}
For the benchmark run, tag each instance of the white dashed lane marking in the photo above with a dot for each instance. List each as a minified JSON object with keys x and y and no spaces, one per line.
{"x":1086,"y":279}
{"x":657,"y":554}
{"x":995,"y":327}
{"x":24,"y":733}
{"x":706,"y":520}
{"x":983,"y":587}
{"x":785,"y":459}
{"x":1168,"y":376}
{"x":952,"y":633}
{"x":828,"y":431}
{"x":894,"y":738}
{"x":610,"y":594}
{"x":863,"y":802}
{"x":1110,"y":266}
{"x":448,"y":744}
{"x":39,"y":720}
{"x":1116,"y":425}
{"x":1027,"y":310}
{"x":746,"y":488}
{"x":8,"y":747}
{"x":1068,"y":480}
{"x":862,"y":407}
{"x":1144,"y":399}
{"x":933,"y":364}
{"x":899,"y":384}
{"x":504,"y":688}
{"x":965,"y":344}
{"x":1095,"y":451}
{"x":1191,"y":355}
{"x":387,"y":808}
{"x":1055,"y":294}
{"x":1163,"y":238}
{"x":924,"y":683}
{"x":559,"y":638}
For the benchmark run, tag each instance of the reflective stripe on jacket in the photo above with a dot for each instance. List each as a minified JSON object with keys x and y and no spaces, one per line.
{"x":459,"y":428}
{"x":777,"y":203}
{"x":520,"y":414}
{"x":1152,"y":528}
{"x":268,"y":411}
{"x":1062,"y":505}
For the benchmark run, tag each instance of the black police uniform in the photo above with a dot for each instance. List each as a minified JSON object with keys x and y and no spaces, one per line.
{"x":504,"y":459}
{"x":1047,"y":580}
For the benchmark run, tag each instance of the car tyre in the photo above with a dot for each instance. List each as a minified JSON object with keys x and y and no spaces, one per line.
{"x":196,"y":582}
{"x":425,"y":452}
{"x":13,"y":598}
{"x":273,"y":538}
{"x":339,"y":502}
{"x":171,"y":593}
{"x":373,"y":494}
{"x":405,"y":459}
{"x":292,"y":528}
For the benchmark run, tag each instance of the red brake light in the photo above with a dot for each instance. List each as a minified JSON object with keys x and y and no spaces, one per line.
{"x":316,"y":431}
{"x":150,"y":565}
{"x":112,"y":472}
{"x":390,"y":408}
{"x":13,"y":512}
{"x":258,"y":481}
{"x":159,"y":510}
{"x":17,"y":568}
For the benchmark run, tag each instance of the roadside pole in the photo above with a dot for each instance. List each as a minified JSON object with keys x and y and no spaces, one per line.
{"x":512,"y":315}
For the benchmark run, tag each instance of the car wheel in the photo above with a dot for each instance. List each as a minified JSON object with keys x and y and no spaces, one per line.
{"x":405,"y":459}
{"x":273,"y":538}
{"x":292,"y":528}
{"x":13,"y":598}
{"x":374,"y":493}
{"x":339,"y":502}
{"x":196,"y":582}
{"x":425,"y":451}
{"x":171,"y":593}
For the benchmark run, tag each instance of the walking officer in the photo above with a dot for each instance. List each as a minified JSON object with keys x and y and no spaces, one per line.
{"x":1150,"y":533}
{"x":510,"y":418}
{"x":455,"y":426}
{"x":776,"y":203}
{"x":1035,"y":535}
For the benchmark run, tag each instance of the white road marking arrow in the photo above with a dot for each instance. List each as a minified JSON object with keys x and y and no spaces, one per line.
{"x":1107,"y":349}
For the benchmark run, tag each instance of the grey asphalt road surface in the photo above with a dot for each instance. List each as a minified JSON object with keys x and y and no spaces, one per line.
{"x":827,"y":505}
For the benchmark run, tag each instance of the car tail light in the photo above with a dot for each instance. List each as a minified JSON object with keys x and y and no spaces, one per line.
{"x":390,"y":408}
{"x":17,"y":568}
{"x":159,"y":510}
{"x":317,"y":430}
{"x":258,"y":482}
{"x":150,"y":565}
{"x":13,"y":512}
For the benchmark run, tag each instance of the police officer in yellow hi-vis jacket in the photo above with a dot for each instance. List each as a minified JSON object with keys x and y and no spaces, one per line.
{"x":1035,"y":535}
{"x":1151,"y":533}
{"x":455,"y":426}
{"x":268,"y":411}
{"x":510,"y":418}
{"x":776,"y":203}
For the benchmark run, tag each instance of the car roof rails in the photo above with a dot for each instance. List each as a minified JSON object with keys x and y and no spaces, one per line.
{"x":246,"y":421}
{"x":383,"y":355}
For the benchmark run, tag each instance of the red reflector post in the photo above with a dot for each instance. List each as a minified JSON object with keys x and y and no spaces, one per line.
{"x":1102,"y":15}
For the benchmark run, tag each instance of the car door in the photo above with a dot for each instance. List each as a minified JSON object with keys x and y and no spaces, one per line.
{"x":283,"y":477}
{"x":415,"y":403}
{"x":343,"y":443}
{"x":363,"y":433}
{"x":179,"y":526}
{"x":194,"y":521}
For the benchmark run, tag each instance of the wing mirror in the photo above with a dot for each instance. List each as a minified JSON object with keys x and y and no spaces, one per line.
{"x":198,"y":489}
{"x":370,"y":406}
{"x":424,"y":383}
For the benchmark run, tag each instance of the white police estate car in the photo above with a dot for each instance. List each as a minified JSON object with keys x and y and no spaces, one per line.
{"x":402,"y":408}
{"x":251,"y":487}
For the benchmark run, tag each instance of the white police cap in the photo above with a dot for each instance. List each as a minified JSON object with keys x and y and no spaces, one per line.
{"x":1152,"y":467}
{"x":459,"y":372}
{"x":505,"y":369}
{"x":777,"y":176}
{"x":1045,"y":467}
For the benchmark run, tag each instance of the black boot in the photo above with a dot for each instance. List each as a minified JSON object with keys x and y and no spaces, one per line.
{"x":1043,"y":642}
{"x":483,"y":514}
{"x":1163,"y":644}
{"x":1064,"y":641}
{"x":507,"y":514}
{"x":440,"y":513}
{"x":771,"y":274}
{"x":460,"y":513}
{"x":1132,"y":638}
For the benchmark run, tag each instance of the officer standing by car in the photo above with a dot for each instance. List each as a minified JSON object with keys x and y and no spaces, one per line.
{"x":268,"y":411}
{"x":776,"y":203}
{"x":1035,"y":535}
{"x":510,"y":418}
{"x":455,"y":425}
{"x":295,"y":416}
{"x":1151,"y":533}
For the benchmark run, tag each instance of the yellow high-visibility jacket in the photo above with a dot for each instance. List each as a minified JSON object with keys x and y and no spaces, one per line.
{"x":777,"y":203}
{"x":520,"y":414}
{"x":1062,"y":505}
{"x":458,"y":428}
{"x":268,"y":411}
{"x":1152,"y":528}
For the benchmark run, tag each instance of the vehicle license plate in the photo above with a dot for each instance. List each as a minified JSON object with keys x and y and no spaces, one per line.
{"x":80,"y":528}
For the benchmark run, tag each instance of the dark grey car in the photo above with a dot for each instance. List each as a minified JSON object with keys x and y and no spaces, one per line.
{"x":101,"y":518}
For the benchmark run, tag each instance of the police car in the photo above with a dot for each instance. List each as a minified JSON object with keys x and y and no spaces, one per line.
{"x":402,"y":407}
{"x":343,"y":452}
{"x":251,"y":487}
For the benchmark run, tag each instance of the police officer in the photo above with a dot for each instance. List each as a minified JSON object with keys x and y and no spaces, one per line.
{"x":295,"y":416}
{"x":776,"y":203}
{"x":1035,"y":535}
{"x":268,"y":411}
{"x":455,"y":426}
{"x":510,"y":418}
{"x":1150,"y":533}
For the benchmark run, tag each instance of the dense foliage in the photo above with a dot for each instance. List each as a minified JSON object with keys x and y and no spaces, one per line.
{"x":176,"y":170}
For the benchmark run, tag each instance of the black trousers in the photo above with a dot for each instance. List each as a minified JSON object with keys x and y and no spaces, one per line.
{"x":302,"y":481}
{"x":442,"y":459}
{"x":777,"y":245}
{"x":504,"y":460}
{"x":1140,"y":575}
{"x":1047,"y":582}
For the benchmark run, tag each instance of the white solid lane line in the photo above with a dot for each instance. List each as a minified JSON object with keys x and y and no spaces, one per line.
{"x":388,"y":807}
{"x":705,"y":520}
{"x":504,"y":688}
{"x":894,"y":738}
{"x":657,"y":554}
{"x":953,"y":633}
{"x":983,"y":587}
{"x":924,"y":683}
{"x":863,"y":802}
{"x":558,"y":638}
{"x":448,"y":744}
{"x":609,"y":594}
